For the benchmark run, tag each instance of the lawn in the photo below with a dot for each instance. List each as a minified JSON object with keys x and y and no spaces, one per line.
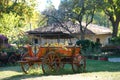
{"x":96,"y":70}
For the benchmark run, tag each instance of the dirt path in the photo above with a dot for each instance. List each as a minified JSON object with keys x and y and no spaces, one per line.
{"x":93,"y":76}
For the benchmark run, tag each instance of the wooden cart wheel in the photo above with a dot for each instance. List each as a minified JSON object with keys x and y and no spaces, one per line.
{"x":25,"y":67}
{"x":28,"y":67}
{"x":51,"y":62}
{"x":79,"y":63}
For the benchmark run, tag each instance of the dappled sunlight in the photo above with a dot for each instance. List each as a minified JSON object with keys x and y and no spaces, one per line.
{"x":6,"y":74}
{"x":79,"y":76}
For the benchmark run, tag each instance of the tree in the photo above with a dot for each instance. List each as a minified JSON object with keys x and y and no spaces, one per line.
{"x":75,"y":10}
{"x":8,"y":24}
{"x":83,"y":10}
{"x":101,"y":19}
{"x":50,"y":11}
{"x":3,"y":5}
{"x":15,"y":16}
{"x":56,"y":16}
{"x":112,"y":10}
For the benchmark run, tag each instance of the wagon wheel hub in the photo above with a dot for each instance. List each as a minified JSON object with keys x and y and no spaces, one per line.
{"x":51,"y":62}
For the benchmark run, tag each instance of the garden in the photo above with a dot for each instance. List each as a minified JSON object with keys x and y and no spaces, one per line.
{"x":94,"y":30}
{"x":95,"y":50}
{"x":95,"y":68}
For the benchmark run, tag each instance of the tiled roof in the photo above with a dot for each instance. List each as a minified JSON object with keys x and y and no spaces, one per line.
{"x":99,"y":29}
{"x":73,"y":28}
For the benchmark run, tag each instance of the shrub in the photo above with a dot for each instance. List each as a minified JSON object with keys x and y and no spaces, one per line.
{"x":89,"y":47}
{"x":115,"y":41}
{"x":9,"y":50}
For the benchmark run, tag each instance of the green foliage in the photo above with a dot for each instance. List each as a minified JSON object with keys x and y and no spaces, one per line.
{"x":8,"y":24}
{"x":85,"y":43}
{"x":9,"y":50}
{"x":89,"y":47}
{"x":22,"y":40}
{"x":112,"y":9}
{"x":16,"y":17}
{"x":115,"y":40}
{"x":101,"y":19}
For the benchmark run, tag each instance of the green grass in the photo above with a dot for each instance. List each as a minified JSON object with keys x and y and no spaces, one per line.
{"x":96,"y":68}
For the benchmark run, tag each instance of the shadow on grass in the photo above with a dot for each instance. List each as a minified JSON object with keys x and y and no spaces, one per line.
{"x":92,"y":66}
{"x":66,"y":71}
{"x":11,"y":68}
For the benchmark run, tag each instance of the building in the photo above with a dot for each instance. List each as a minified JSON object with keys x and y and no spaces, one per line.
{"x":93,"y":32}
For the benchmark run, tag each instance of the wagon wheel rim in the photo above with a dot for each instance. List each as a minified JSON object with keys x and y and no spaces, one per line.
{"x":51,"y":62}
{"x":26,"y":67}
{"x":79,"y":65}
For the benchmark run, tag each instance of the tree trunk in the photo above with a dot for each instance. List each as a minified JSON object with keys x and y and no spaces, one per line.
{"x":115,"y":28}
{"x":82,"y":31}
{"x":82,"y":36}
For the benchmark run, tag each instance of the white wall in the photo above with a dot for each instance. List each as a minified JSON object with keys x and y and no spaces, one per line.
{"x":103,"y":39}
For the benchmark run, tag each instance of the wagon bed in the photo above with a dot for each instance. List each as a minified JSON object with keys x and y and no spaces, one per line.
{"x":54,"y":58}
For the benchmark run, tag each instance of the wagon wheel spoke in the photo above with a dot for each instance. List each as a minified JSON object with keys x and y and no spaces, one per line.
{"x":50,"y":62}
{"x":79,"y":64}
{"x":47,"y":60}
{"x":51,"y":57}
{"x":25,"y":67}
{"x":58,"y":61}
{"x":46,"y":63}
{"x":28,"y":67}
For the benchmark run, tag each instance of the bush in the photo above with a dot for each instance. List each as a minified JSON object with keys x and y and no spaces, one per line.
{"x":115,"y":41}
{"x":9,"y":50}
{"x":89,"y":47}
{"x":85,"y":44}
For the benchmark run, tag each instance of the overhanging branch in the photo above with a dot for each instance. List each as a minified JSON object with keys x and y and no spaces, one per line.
{"x":61,"y":25}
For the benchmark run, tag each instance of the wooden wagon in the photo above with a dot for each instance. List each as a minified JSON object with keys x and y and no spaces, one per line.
{"x":53,"y":58}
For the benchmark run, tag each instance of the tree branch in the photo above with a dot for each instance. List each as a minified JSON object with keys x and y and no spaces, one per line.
{"x":65,"y":27}
{"x":91,"y":19}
